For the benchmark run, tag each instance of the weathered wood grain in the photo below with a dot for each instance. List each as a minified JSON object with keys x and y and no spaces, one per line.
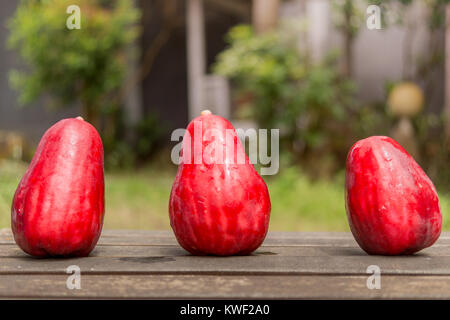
{"x":141,"y":238}
{"x":116,"y":251}
{"x":248,"y":287}
{"x":353,"y":263}
{"x":151,"y":264}
{"x":162,"y":238}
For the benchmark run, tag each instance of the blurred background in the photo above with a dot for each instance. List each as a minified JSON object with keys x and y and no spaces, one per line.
{"x":315,"y":69}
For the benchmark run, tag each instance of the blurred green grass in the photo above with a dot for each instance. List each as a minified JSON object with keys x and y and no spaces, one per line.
{"x":139,"y":199}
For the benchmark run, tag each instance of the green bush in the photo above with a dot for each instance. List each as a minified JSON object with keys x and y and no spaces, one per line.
{"x":86,"y":65}
{"x":127,"y":146}
{"x":311,"y":103}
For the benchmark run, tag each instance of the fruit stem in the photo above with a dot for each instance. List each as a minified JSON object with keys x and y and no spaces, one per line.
{"x":80,"y":118}
{"x":205,"y":113}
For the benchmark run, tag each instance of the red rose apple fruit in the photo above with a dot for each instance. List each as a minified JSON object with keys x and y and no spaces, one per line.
{"x":219,"y":204}
{"x":58,"y":206}
{"x":392,"y":206}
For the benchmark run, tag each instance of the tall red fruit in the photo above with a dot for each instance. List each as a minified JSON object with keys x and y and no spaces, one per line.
{"x":219,"y":204}
{"x":58,"y":206}
{"x":392,"y":206}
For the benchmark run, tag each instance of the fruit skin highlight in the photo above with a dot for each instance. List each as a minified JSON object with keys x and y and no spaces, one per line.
{"x":217,"y":207}
{"x":58,"y":207}
{"x":392,"y":205}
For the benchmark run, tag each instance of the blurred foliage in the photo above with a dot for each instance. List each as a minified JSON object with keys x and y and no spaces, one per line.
{"x":149,"y":131}
{"x":311,"y":103}
{"x":434,"y":148}
{"x":117,"y":142}
{"x":315,"y":105}
{"x":127,"y":147}
{"x":85,"y":66}
{"x":265,"y":66}
{"x":348,"y":15}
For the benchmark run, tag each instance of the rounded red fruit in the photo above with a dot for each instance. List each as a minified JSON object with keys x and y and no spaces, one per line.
{"x":58,"y":206}
{"x":219,"y":204}
{"x":392,"y":206}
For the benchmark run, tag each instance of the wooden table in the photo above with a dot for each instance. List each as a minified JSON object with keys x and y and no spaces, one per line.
{"x":150,"y":264}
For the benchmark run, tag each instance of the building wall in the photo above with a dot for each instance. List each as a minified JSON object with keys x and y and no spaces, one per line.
{"x":378,"y":55}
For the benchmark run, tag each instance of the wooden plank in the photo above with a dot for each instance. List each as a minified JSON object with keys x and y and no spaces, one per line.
{"x":166,"y":238}
{"x":6,"y":233}
{"x":149,"y":264}
{"x":354,"y":262}
{"x":337,"y":254}
{"x":267,"y":243}
{"x":13,"y":251}
{"x":138,"y":234}
{"x":249,"y":287}
{"x":140,"y":237}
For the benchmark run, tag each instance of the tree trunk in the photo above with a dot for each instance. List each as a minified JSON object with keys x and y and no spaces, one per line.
{"x":196,"y":56}
{"x":265,"y":15}
{"x":447,"y":74}
{"x":90,"y":114}
{"x":348,"y":55}
{"x":348,"y":39}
